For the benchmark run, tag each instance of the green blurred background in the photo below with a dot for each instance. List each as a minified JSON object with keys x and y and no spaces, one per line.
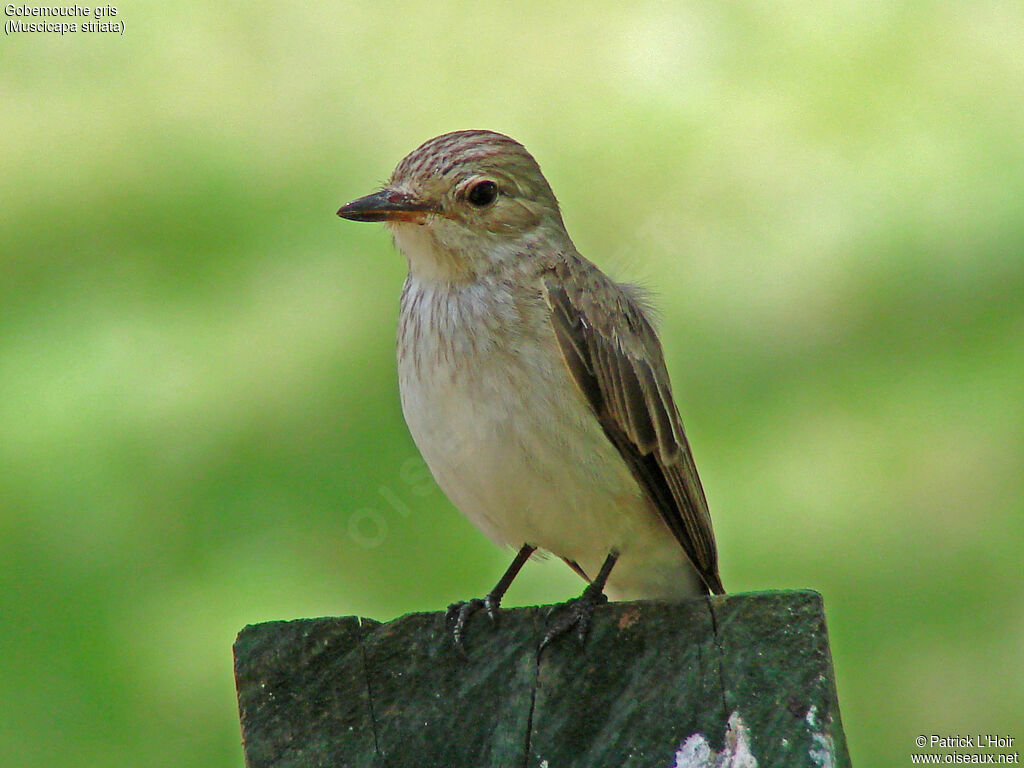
{"x":199,"y":420}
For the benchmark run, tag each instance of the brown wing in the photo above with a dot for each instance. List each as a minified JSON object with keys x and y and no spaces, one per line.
{"x":614,"y":356}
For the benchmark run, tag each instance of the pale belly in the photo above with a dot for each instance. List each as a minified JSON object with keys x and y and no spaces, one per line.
{"x":514,"y":445}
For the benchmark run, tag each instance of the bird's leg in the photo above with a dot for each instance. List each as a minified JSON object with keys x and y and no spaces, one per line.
{"x":459,"y":613}
{"x":579,"y":611}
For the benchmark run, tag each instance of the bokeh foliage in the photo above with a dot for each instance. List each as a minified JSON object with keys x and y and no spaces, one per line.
{"x":199,"y":423}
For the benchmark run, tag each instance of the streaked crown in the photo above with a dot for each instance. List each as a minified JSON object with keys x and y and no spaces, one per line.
{"x":473,"y":153}
{"x":471,"y":149}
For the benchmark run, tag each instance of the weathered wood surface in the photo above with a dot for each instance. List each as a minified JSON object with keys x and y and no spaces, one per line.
{"x":714,"y":682}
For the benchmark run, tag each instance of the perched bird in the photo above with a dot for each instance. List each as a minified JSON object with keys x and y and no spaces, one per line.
{"x":535,"y":386}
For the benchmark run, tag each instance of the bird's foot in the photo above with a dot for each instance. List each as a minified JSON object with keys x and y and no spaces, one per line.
{"x":577,"y":613}
{"x":460,"y":612}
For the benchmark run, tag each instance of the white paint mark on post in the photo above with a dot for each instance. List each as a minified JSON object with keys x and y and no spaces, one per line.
{"x":823,"y":752}
{"x":696,"y":752}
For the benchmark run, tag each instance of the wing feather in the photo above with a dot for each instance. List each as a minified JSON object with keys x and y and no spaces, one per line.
{"x":615,"y":358}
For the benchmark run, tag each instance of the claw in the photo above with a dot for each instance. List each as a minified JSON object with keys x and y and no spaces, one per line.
{"x":459,"y":614}
{"x":492,"y":603}
{"x":578,"y":613}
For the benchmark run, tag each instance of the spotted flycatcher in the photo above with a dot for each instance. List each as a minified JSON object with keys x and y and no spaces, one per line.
{"x":535,"y":386}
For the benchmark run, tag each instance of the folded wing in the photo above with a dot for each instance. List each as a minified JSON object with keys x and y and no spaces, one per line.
{"x":616,"y":360}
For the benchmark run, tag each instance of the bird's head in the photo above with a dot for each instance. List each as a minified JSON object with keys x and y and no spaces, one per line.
{"x":464,"y":204}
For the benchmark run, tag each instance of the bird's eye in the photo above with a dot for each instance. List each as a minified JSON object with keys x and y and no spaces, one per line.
{"x":483,"y":194}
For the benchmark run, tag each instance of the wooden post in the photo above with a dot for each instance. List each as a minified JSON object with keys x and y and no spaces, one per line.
{"x":721,"y":682}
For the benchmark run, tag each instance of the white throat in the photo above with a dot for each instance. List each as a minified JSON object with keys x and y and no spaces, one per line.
{"x":429,"y":260}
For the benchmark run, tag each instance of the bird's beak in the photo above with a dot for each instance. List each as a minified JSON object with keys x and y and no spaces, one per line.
{"x":387,"y":205}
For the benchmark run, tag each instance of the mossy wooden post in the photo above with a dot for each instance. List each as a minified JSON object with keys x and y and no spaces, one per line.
{"x":738,"y":680}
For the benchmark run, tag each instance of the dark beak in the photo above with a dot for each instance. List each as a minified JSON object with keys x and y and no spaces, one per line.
{"x":386,"y":205}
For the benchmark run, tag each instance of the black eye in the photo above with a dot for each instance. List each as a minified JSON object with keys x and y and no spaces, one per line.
{"x":483,"y":194}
